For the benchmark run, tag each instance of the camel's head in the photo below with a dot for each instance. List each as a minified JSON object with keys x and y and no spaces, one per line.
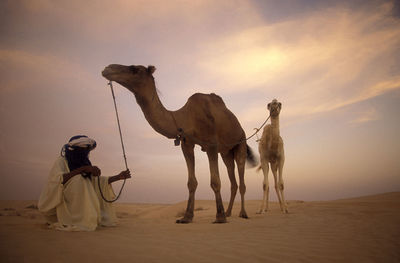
{"x":131,"y":77}
{"x":274,"y":108}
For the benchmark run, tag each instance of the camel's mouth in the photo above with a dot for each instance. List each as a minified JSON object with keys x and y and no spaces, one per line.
{"x":112,"y":71}
{"x":108,"y":72}
{"x":274,"y":112}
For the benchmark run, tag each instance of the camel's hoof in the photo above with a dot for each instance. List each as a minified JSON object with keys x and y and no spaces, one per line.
{"x":261,"y":212}
{"x":184,"y":221}
{"x":243,"y":214}
{"x":220,"y":221}
{"x":284,"y":210}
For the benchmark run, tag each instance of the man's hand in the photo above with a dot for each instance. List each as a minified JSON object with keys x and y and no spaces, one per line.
{"x":121,"y":176}
{"x":124,"y":175}
{"x":96,"y":171}
{"x":88,"y":169}
{"x":93,"y":170}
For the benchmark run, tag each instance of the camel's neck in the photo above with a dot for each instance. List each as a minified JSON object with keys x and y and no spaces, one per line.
{"x":275,"y":126}
{"x":156,"y":114}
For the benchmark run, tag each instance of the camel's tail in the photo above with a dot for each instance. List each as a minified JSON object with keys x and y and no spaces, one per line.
{"x":251,"y":158}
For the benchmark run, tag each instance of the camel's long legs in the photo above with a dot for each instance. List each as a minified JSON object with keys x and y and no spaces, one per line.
{"x":281,"y":187}
{"x":264,"y":203}
{"x":216,"y":184}
{"x":274,"y":168}
{"x":188,"y":152}
{"x":230,"y":166}
{"x":240,"y":158}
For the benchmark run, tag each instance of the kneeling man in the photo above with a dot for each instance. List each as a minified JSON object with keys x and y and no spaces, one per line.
{"x":71,"y":199}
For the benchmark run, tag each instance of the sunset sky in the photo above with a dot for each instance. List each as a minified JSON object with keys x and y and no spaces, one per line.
{"x":334,"y":65}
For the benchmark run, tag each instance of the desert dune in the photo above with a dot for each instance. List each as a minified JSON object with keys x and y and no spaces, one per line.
{"x":364,"y":229}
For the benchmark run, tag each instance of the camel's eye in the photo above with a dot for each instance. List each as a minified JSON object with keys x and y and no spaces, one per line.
{"x":133,"y":69}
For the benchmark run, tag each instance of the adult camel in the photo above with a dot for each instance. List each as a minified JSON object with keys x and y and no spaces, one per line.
{"x":204,"y":120}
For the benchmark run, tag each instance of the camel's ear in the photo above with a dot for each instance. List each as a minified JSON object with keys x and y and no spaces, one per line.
{"x":269,"y":105}
{"x":151,"y":69}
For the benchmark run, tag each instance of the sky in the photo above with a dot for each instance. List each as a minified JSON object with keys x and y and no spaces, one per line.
{"x":334,"y":66}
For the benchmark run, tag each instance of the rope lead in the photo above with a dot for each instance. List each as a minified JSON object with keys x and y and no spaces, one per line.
{"x":123,"y":149}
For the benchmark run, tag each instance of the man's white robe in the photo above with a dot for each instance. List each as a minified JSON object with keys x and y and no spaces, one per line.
{"x":77,"y":205}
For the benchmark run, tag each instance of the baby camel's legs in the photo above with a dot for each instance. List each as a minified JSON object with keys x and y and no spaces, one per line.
{"x":264,"y":202}
{"x":274,"y":168}
{"x":279,"y":186}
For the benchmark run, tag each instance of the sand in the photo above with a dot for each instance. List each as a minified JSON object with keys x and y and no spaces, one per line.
{"x":365,"y":229}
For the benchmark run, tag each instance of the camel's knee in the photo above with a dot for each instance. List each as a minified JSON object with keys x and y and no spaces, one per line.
{"x":192,"y":185}
{"x":265,"y":187}
{"x":281,"y":185}
{"x":234,"y":188}
{"x":242,"y":189}
{"x":215,"y":185}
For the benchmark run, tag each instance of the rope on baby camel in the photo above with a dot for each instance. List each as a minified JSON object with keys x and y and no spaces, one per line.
{"x":258,"y":129}
{"x":123,"y":150}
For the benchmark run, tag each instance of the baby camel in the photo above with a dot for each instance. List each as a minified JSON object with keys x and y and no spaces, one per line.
{"x":271,"y":151}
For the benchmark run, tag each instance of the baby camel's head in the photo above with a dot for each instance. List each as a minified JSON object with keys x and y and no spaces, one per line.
{"x":274,"y":108}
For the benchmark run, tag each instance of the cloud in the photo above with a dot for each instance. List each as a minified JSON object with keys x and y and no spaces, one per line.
{"x":366,"y":116}
{"x":37,"y":67}
{"x":314,"y":64}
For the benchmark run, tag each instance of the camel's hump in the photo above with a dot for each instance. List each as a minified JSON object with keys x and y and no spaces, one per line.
{"x":211,"y":97}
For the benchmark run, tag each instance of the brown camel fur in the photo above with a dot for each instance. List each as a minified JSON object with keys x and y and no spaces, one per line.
{"x":203,"y":120}
{"x":272,"y":152}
